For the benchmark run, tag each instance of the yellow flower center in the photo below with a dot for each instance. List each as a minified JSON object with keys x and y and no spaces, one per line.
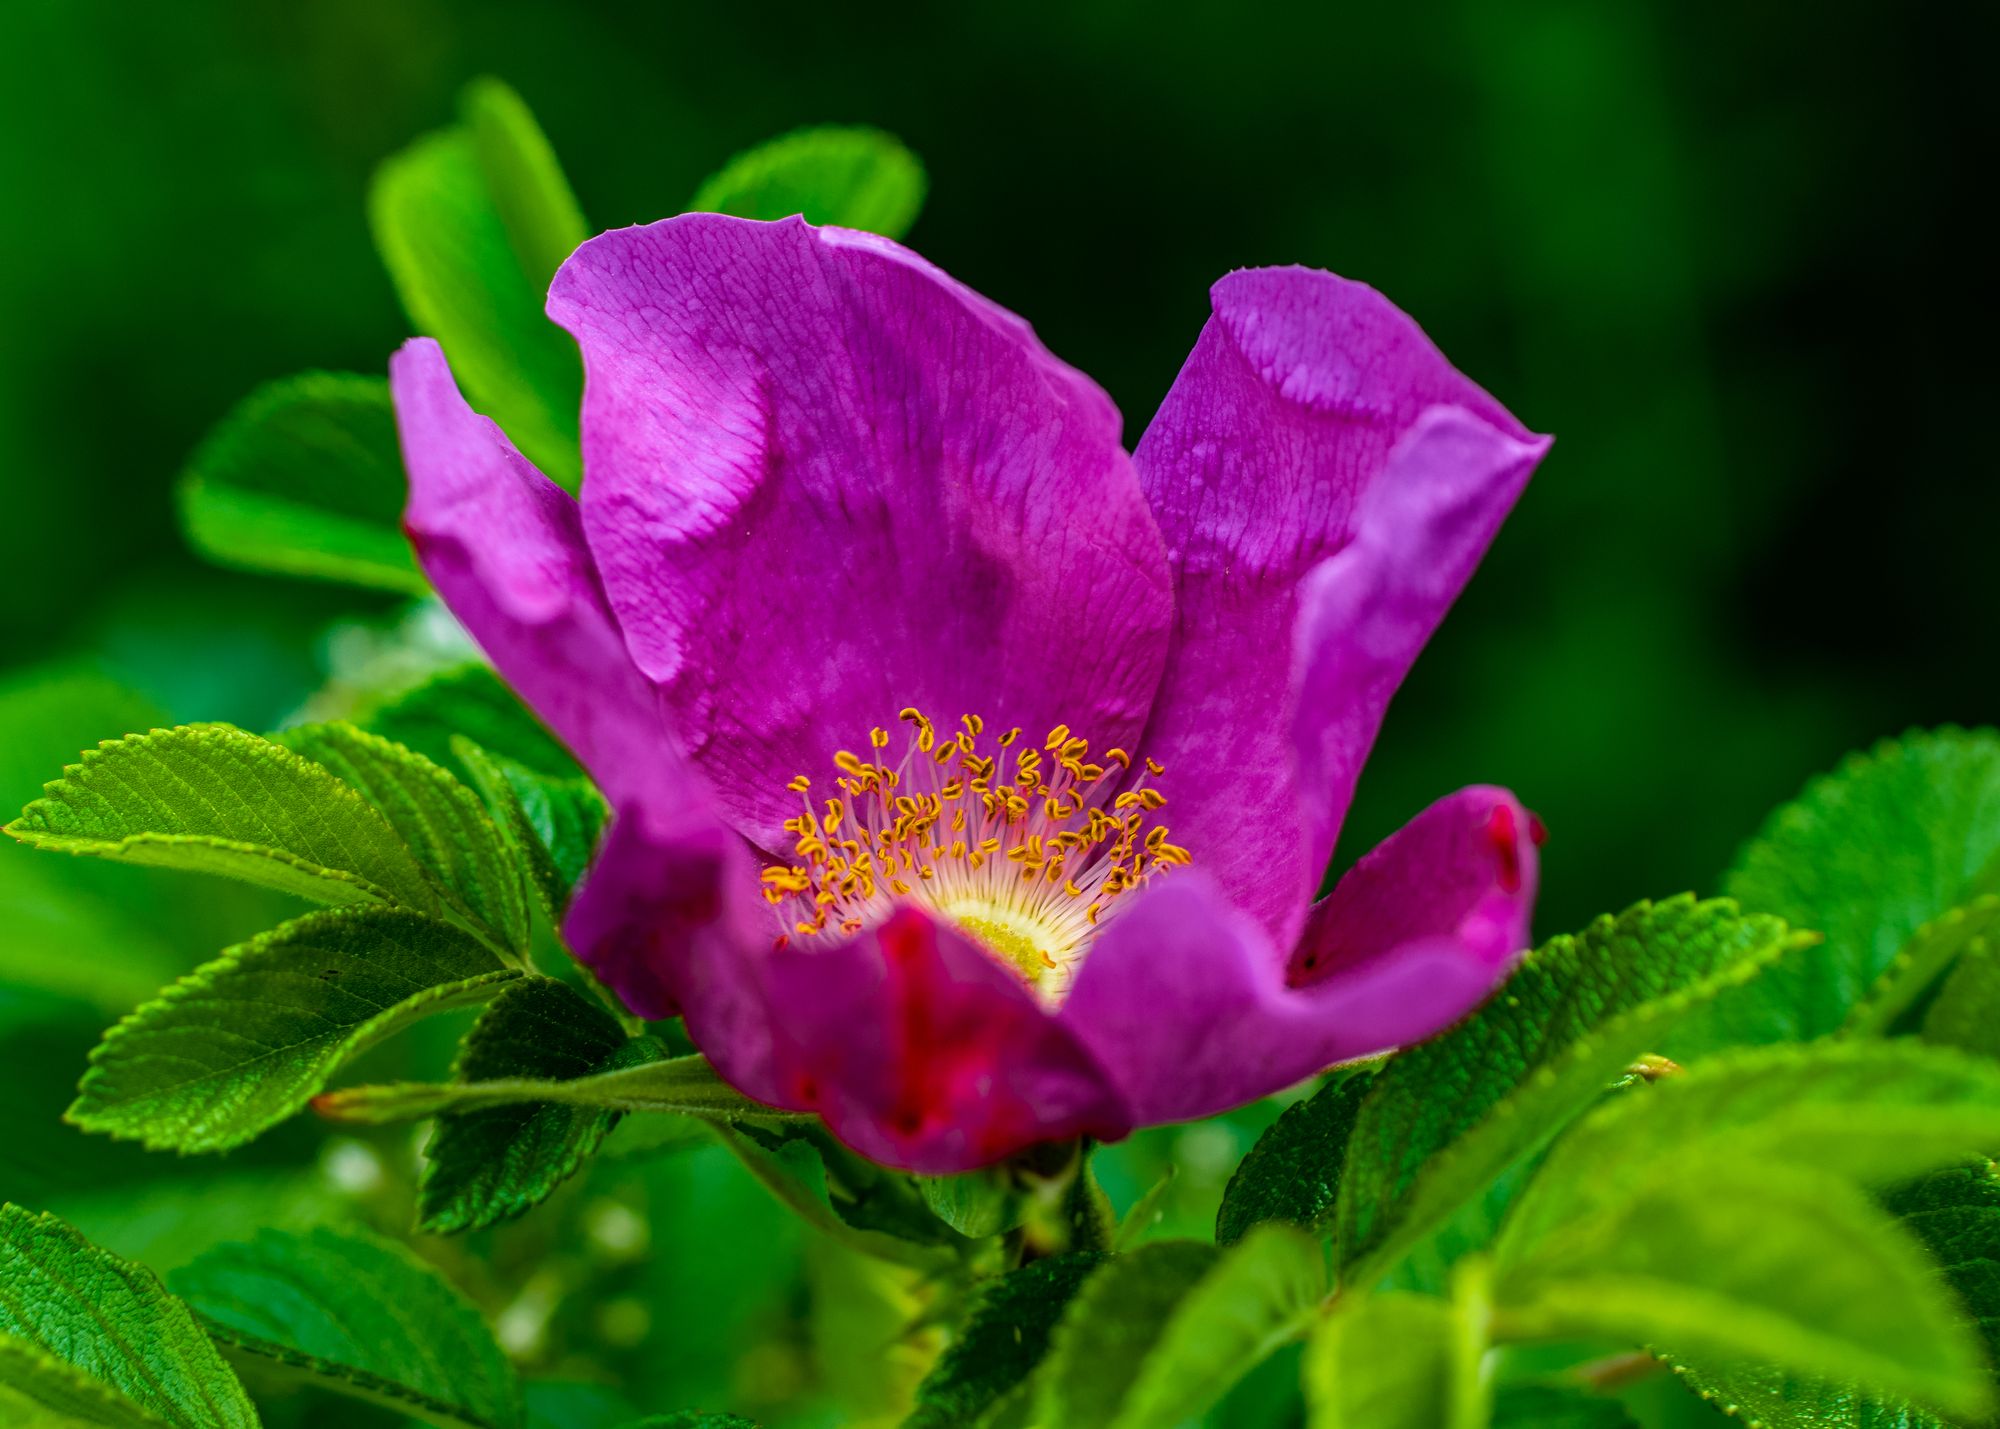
{"x":1026,"y":849}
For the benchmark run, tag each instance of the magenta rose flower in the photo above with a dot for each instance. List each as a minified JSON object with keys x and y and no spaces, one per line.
{"x":973,"y":778}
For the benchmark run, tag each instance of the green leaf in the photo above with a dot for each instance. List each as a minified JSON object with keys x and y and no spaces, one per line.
{"x":692,"y":1419}
{"x":304,"y":478}
{"x":865,"y":1207}
{"x":1868,"y":854}
{"x":539,"y":212}
{"x":853,"y":177}
{"x":62,"y":1298}
{"x":553,"y":824}
{"x":1401,"y":1361}
{"x":976,"y":1204}
{"x":1732,"y":1263}
{"x":1159,"y":1335}
{"x":1443,"y":1119}
{"x":214,"y":799}
{"x":1872,"y":1112}
{"x":1933,"y":950}
{"x":1551,"y":1406}
{"x":442,"y":821}
{"x":489,"y":1165}
{"x":1292,"y":1174}
{"x":243,"y":1042}
{"x":1966,"y":1011}
{"x":441,"y":211}
{"x":679,"y":1086}
{"x":1956,"y":1214}
{"x":1004,"y":1338}
{"x":39,"y":1391}
{"x":362,"y":1317}
{"x":468,"y":702}
{"x":1146,"y":1212}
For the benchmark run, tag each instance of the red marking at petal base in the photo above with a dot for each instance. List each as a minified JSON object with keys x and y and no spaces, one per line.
{"x":1538,"y":832}
{"x":1500,"y":834}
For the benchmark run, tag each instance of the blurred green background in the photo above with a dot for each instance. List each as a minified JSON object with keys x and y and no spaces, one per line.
{"x":1731,"y":260}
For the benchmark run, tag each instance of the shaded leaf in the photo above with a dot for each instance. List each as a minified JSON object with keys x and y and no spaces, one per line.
{"x":864,"y":1206}
{"x":440,"y":213}
{"x":489,"y":1165}
{"x":1550,"y":1406}
{"x":215,"y":799}
{"x":1111,"y":1325}
{"x":853,"y":177}
{"x":553,"y":824}
{"x":1292,"y":1174}
{"x":361,"y":1316}
{"x":441,"y":820}
{"x":1003,"y":1340}
{"x":1146,"y":1212}
{"x":1933,"y":950}
{"x":472,"y":703}
{"x":1444,"y":1118}
{"x":114,"y":1324}
{"x":1966,"y":1011}
{"x":304,"y":478}
{"x":243,"y":1042}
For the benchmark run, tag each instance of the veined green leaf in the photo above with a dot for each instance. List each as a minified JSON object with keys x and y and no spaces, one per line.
{"x":39,"y":1391}
{"x":976,"y":1203}
{"x":1868,"y":854}
{"x":489,"y":1165}
{"x":1401,"y":1361}
{"x":1966,"y":1011}
{"x":215,"y":799}
{"x":441,"y":820}
{"x":1730,"y":1263}
{"x":468,"y":702}
{"x":1872,"y":1112}
{"x":553,"y":824}
{"x":1443,"y":1119}
{"x":441,"y":212}
{"x":111,"y":1322}
{"x":241,"y":1043}
{"x":361,"y":1316}
{"x":1111,"y":1325}
{"x":1003,"y":1340}
{"x":853,"y":177}
{"x":1956,"y":1214}
{"x":679,"y":1086}
{"x":1292,"y":1174}
{"x":304,"y":478}
{"x":1932,"y":951}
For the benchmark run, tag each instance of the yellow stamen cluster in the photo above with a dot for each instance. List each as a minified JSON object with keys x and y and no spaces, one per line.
{"x":1025,"y":848}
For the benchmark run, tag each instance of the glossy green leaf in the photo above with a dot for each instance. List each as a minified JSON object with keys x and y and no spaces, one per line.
{"x":243,"y":1042}
{"x":465,"y":220}
{"x":442,"y":821}
{"x":1731,"y":1263}
{"x":1444,"y":1119}
{"x":1003,"y":1340}
{"x":1956,"y":1214}
{"x":304,"y":478}
{"x":214,"y":799}
{"x":552,"y":824}
{"x":977,"y":1203}
{"x":1932,"y":952}
{"x":1292,"y":1174}
{"x":1868,"y":854}
{"x":1872,"y":1112}
{"x":362,"y":1317}
{"x":111,"y":1322}
{"x":853,"y":177}
{"x":489,"y":1165}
